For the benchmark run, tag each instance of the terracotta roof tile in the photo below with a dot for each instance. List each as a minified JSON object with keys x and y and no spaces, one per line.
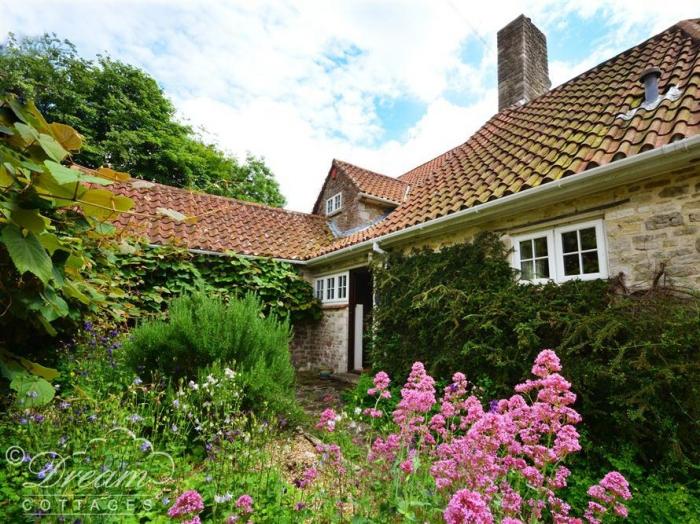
{"x":572,"y":128}
{"x":566,"y":131}
{"x":374,"y":184}
{"x":220,"y":224}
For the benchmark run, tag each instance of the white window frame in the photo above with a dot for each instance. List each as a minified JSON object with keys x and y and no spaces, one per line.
{"x":334,"y":203}
{"x":555,"y":251}
{"x":551,"y":255}
{"x":330,"y":288}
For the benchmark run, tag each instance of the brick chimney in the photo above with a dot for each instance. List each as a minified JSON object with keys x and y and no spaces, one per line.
{"x":522,"y":63}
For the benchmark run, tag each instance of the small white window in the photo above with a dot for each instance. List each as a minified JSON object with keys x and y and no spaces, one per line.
{"x":334,"y":203}
{"x":576,"y":251}
{"x":332,"y":288}
{"x":342,"y":286}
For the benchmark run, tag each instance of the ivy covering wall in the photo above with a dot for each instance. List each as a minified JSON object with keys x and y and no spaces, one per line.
{"x":150,"y":276}
{"x":633,"y":360}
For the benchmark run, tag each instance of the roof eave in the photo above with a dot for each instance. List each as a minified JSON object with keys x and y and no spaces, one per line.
{"x":639,"y":166}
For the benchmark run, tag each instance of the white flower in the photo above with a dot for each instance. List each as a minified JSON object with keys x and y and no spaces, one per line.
{"x":229,"y":373}
{"x":358,"y":411}
{"x":193,"y":385}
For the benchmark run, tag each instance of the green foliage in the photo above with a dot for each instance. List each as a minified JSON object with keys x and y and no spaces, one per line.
{"x":201,"y":330}
{"x":152,"y":277}
{"x":633,"y":360}
{"x":126,"y":119}
{"x":42,"y":267}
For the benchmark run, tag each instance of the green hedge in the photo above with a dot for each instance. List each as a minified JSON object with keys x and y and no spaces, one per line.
{"x":634,"y":361}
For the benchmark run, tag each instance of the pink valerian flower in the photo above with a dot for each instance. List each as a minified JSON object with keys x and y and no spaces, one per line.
{"x":417,"y":399}
{"x":606,"y":495}
{"x":193,"y":520}
{"x":381,"y":386}
{"x":327,"y":420}
{"x":189,"y":503}
{"x":385,"y":449}
{"x":467,"y":507}
{"x":307,"y":477}
{"x":546,"y":363}
{"x":245,"y":503}
{"x":372,"y":412}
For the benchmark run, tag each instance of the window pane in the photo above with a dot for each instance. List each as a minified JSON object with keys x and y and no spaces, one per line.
{"x":337,"y":201}
{"x":330,"y":291}
{"x":588,"y":239}
{"x":541,"y":247}
{"x":569,"y":241}
{"x":342,"y":286}
{"x":329,"y":205}
{"x":525,"y":249}
{"x":526,"y":272}
{"x":541,"y":267}
{"x":571,"y":265}
{"x":590,"y":261}
{"x":319,"y":289}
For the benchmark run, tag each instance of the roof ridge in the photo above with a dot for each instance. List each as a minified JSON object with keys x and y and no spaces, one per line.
{"x":690,"y":26}
{"x":338,"y":161}
{"x":227,"y":199}
{"x":684,"y":25}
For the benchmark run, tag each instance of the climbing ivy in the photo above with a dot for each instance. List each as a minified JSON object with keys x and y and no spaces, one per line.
{"x":152,"y":276}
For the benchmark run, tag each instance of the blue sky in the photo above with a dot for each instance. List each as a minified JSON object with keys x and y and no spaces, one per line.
{"x":385,"y":84}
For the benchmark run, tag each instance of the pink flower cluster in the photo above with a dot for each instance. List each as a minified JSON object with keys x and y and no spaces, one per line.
{"x":189,"y":504}
{"x":307,"y":478}
{"x":245,"y":503}
{"x":504,"y":464}
{"x":327,"y":420}
{"x":381,"y":386}
{"x":606,"y":496}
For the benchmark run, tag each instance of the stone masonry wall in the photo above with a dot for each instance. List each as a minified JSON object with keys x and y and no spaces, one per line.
{"x":323,"y":344}
{"x":355,"y":212}
{"x":654,"y":221}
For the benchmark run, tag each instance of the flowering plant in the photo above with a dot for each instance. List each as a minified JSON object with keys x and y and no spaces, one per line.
{"x":502,"y":464}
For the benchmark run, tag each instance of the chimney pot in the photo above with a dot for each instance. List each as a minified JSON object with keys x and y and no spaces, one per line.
{"x":523,"y":73}
{"x":650,"y":77}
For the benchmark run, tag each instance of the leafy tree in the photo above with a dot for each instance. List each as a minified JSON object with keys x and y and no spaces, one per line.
{"x":127,"y":121}
{"x":43,"y":266}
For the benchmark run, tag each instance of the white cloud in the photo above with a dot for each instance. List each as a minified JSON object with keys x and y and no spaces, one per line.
{"x":296,"y":82}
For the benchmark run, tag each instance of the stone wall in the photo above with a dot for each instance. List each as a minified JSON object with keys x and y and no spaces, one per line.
{"x":646,"y":224}
{"x":355,"y":212}
{"x":323,"y":344}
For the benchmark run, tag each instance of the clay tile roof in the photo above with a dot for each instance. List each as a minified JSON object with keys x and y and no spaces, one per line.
{"x":374,"y":184}
{"x":221,"y":224}
{"x":572,"y":128}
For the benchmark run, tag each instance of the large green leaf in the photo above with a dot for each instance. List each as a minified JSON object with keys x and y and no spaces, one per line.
{"x":52,"y":148}
{"x":27,"y":253}
{"x":66,"y":175}
{"x":32,"y":390}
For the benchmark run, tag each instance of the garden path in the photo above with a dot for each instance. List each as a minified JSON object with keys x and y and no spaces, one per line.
{"x":316,"y":394}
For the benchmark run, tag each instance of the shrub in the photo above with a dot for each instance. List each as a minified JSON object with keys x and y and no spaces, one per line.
{"x":201,"y":330}
{"x":633,"y":358}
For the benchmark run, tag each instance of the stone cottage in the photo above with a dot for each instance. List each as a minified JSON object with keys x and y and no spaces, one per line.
{"x":597,"y":177}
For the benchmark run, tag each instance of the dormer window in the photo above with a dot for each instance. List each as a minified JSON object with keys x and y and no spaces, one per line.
{"x":334,"y":203}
